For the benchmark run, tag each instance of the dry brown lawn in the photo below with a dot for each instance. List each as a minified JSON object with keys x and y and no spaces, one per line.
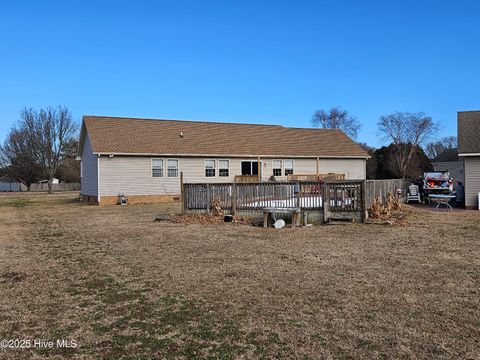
{"x":124,"y":286}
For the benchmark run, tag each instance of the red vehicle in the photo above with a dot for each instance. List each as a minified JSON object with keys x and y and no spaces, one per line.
{"x":438,"y":182}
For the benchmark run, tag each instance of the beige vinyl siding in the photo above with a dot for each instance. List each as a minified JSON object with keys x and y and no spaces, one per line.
{"x":132,"y":175}
{"x":89,"y":164}
{"x":354,"y":169}
{"x":472,"y":180}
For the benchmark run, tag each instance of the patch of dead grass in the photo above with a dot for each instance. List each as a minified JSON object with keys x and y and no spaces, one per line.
{"x":124,"y":286}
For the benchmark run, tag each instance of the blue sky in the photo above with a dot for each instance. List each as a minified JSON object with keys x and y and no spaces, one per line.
{"x":242,"y":61}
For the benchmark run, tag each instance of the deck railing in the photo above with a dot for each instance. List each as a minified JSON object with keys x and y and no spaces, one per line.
{"x":341,"y":197}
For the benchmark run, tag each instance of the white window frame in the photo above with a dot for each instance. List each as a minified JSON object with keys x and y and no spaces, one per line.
{"x":227,"y":168}
{"x":273,"y":167}
{"x":178,"y":168}
{"x":285,"y":166}
{"x":205,"y":168}
{"x":81,"y":169}
{"x":151,"y":168}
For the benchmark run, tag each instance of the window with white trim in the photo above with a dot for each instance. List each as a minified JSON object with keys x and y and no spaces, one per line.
{"x":157,"y":167}
{"x":288,"y":164}
{"x":172,"y":167}
{"x":209,"y":168}
{"x":223,"y":168}
{"x":81,"y":168}
{"x":277,"y":167}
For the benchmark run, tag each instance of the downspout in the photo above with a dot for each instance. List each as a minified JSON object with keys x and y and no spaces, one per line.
{"x":98,"y":179}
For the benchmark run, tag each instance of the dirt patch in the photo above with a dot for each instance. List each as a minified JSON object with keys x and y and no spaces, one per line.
{"x":12,"y":277}
{"x":209,"y":219}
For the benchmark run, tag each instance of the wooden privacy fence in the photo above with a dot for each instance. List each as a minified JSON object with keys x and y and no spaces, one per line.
{"x":343,"y":199}
{"x":55,"y":187}
{"x":37,"y":187}
{"x":381,"y":188}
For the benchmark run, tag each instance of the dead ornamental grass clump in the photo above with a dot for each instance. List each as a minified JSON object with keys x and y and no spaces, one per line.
{"x":391,"y":213}
{"x":216,"y":206}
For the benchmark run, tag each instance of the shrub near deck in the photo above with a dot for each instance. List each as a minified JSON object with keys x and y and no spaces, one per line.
{"x":121,"y":284}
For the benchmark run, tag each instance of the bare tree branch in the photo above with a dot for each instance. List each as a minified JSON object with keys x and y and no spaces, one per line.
{"x":433,"y":149}
{"x":336,"y":118}
{"x":406,"y":131}
{"x":36,"y":145}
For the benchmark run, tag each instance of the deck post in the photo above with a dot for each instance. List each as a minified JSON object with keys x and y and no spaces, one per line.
{"x":363,"y":201}
{"x":326,"y":201}
{"x":234,"y":199}
{"x":208,"y":197}
{"x":297,"y":200}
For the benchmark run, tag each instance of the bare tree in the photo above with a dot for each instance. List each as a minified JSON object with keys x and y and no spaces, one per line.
{"x":433,"y":149}
{"x":406,"y":131}
{"x":336,"y":118}
{"x":18,"y":154}
{"x":52,"y":129}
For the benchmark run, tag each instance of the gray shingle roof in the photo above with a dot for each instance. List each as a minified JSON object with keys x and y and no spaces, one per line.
{"x":468,"y":132}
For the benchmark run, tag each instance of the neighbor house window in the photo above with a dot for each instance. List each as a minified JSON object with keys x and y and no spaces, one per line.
{"x":209,"y":168}
{"x":277,"y":167}
{"x":172,"y":167}
{"x":157,"y":167}
{"x":288,"y":167}
{"x":223,"y":166}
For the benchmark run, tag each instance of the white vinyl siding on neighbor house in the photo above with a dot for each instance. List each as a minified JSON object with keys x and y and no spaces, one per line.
{"x":472,"y":180}
{"x":132,"y":175}
{"x":89,"y":169}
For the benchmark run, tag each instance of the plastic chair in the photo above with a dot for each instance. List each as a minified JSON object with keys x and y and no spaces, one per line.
{"x":413,"y":194}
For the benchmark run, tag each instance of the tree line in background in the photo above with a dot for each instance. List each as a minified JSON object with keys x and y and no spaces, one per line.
{"x":41,"y":146}
{"x":409,"y":136}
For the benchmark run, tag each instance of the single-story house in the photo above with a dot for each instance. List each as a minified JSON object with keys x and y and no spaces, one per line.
{"x":143,"y":158}
{"x":448,"y":160}
{"x":469,"y":151}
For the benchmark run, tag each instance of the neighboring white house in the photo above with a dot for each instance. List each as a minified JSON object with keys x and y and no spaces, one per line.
{"x":469,"y":150}
{"x":143,"y":158}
